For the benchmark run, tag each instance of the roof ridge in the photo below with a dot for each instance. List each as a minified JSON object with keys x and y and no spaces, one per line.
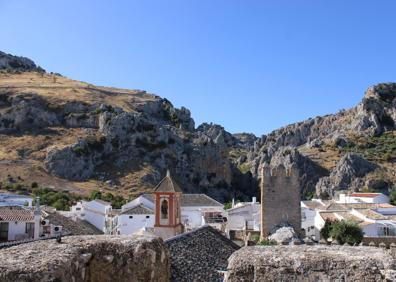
{"x":205,"y":227}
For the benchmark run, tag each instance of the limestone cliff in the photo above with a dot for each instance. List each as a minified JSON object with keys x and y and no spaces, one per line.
{"x":75,"y":136}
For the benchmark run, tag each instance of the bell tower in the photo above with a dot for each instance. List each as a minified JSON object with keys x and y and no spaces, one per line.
{"x":167,"y":198}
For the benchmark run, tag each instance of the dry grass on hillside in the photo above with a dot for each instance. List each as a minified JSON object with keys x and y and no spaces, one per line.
{"x":58,"y":89}
{"x":22,"y":156}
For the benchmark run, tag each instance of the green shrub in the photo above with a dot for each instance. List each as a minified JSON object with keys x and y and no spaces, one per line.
{"x":325,"y":231}
{"x":255,"y":238}
{"x":227,"y":205}
{"x":346,"y":232}
{"x":244,"y":168}
{"x":309,"y":195}
{"x":392,"y":196}
{"x":268,"y":242}
{"x":80,"y":150}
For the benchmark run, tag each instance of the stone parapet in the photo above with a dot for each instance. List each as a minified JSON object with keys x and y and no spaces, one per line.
{"x":311,"y":263}
{"x":88,"y":258}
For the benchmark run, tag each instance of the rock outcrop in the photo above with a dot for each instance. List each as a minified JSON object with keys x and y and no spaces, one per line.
{"x":346,"y":175}
{"x":285,"y":234}
{"x":87,"y":258}
{"x":14,"y":63}
{"x":373,"y":116}
{"x":129,"y":138}
{"x":311,"y":263}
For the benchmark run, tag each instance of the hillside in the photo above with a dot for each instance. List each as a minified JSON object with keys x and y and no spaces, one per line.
{"x":74,"y":136}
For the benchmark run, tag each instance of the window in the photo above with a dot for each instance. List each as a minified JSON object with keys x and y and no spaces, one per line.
{"x":78,"y":209}
{"x":3,"y":231}
{"x":147,"y":216}
{"x":29,"y":229}
{"x":131,"y":217}
{"x":164,"y":209}
{"x":386,"y":231}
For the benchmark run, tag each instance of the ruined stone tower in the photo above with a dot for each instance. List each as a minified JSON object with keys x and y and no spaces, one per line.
{"x":280,"y":199}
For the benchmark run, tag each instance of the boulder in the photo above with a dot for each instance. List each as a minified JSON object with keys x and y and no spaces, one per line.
{"x":284,"y":234}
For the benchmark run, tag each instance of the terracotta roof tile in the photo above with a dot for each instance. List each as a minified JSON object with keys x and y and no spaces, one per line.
{"x":365,"y":195}
{"x":191,"y":200}
{"x":199,"y":255}
{"x":16,"y":214}
{"x":167,"y":184}
{"x":140,"y":209}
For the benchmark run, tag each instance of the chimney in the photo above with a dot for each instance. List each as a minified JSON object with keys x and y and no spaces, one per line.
{"x":254,"y":200}
{"x":37,"y":219}
{"x":233,"y":203}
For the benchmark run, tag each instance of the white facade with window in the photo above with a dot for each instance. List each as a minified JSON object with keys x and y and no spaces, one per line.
{"x":19,"y":223}
{"x":131,"y":223}
{"x":244,"y":216}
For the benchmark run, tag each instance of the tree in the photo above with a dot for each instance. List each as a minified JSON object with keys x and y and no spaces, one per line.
{"x":227,"y":205}
{"x":325,"y":231}
{"x":346,"y":232}
{"x":95,"y":194}
{"x":392,"y":196}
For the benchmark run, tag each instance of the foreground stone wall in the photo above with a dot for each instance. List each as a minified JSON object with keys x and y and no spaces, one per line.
{"x":87,"y":258}
{"x":311,"y":263}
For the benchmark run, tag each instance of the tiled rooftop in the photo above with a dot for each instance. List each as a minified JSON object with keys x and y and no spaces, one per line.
{"x":371,"y":214}
{"x":16,"y":213}
{"x":199,"y":255}
{"x":365,"y":195}
{"x":167,"y":185}
{"x":191,"y":200}
{"x":79,"y":227}
{"x":314,"y":205}
{"x":140,"y":209}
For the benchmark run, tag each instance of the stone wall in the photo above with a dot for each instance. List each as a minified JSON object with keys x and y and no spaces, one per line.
{"x":88,"y":258}
{"x":280,"y":199}
{"x":311,"y":263}
{"x":378,"y":240}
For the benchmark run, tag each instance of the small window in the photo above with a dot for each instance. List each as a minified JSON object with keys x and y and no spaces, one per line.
{"x":78,"y":209}
{"x":147,"y":216}
{"x":131,"y":216}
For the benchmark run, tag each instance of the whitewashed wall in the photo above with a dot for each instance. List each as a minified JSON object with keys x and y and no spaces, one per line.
{"x":128,"y":226}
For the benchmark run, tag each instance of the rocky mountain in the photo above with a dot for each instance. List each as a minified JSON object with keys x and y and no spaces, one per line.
{"x":75,"y":136}
{"x":354,"y":149}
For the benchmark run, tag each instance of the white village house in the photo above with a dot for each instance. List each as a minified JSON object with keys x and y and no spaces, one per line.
{"x":243,"y":216}
{"x":95,"y":212}
{"x":196,"y":210}
{"x":354,"y":198}
{"x":15,"y":200}
{"x":19,"y":223}
{"x":371,"y":211}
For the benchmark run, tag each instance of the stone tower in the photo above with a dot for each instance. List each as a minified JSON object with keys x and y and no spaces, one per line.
{"x":280,"y":199}
{"x":167,"y":198}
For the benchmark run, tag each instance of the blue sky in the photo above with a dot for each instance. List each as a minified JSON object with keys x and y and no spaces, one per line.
{"x":251,"y":66}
